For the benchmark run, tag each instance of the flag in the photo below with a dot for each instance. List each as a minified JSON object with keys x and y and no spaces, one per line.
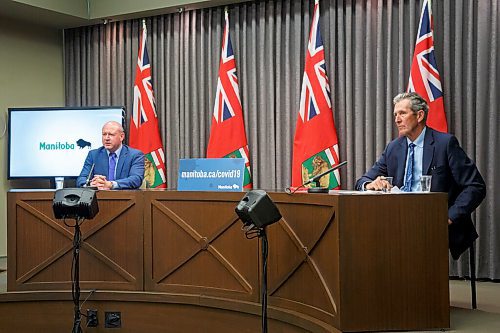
{"x":424,"y":75}
{"x":144,"y":129}
{"x":315,"y":146}
{"x":227,"y":134}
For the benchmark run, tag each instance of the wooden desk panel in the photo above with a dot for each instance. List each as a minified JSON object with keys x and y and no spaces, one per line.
{"x":394,"y":262}
{"x":348,"y":262}
{"x":195,"y":245}
{"x":372,"y":261}
{"x":40,"y":246}
{"x":304,"y":256}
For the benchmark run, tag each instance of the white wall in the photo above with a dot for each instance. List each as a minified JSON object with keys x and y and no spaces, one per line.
{"x":31,"y":74}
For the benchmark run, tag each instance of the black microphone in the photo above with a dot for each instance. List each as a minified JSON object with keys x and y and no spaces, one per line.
{"x":87,"y":181}
{"x":316,"y":179}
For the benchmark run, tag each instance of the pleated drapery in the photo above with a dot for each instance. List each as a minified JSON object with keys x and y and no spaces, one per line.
{"x":368,"y":45}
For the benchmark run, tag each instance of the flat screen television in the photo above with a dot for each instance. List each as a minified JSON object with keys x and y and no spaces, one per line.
{"x":54,"y":142}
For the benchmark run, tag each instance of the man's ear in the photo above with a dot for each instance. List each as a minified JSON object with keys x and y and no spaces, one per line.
{"x":420,"y":115}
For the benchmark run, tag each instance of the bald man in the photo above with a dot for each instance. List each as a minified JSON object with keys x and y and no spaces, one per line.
{"x":116,"y":166}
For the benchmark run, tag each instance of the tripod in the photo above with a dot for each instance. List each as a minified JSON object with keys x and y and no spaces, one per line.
{"x":78,"y":204}
{"x":261,"y":233}
{"x":256,"y":210}
{"x":75,"y":274}
{"x":264,"y":255}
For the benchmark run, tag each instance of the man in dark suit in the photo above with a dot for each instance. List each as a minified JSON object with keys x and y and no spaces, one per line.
{"x":116,"y":166}
{"x":420,"y":150}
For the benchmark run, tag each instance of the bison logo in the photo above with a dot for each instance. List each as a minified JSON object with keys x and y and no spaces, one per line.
{"x":82,"y":144}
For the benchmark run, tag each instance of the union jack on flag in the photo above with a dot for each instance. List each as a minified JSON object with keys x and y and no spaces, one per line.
{"x":315,"y":92}
{"x":144,"y":129}
{"x":227,"y":98}
{"x":227,"y":134}
{"x":424,"y":75}
{"x":143,"y":89}
{"x":315,"y":145}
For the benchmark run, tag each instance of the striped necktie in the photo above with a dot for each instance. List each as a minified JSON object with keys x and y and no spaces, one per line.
{"x":409,"y":169}
{"x":112,"y":165}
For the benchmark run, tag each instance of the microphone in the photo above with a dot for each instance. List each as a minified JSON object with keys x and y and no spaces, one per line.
{"x":87,"y":181}
{"x":316,"y":179}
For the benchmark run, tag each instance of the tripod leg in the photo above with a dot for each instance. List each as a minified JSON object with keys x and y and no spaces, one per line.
{"x":265,"y":250}
{"x":75,"y":286}
{"x":472,"y":267}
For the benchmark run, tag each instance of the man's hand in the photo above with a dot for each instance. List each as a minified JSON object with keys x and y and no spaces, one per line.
{"x":378,"y":184}
{"x":101,"y":183}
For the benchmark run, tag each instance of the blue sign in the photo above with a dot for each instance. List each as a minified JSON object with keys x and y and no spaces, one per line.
{"x":211,"y":174}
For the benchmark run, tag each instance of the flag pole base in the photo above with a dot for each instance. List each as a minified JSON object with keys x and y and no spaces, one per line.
{"x":317,"y":190}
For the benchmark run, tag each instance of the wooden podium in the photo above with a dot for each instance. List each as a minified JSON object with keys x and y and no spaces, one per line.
{"x":347,"y":262}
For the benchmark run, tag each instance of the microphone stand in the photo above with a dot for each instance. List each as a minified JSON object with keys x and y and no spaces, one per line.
{"x":87,"y":181}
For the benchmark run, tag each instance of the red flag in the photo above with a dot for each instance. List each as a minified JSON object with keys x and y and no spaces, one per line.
{"x":315,"y":146}
{"x":424,"y":75}
{"x":227,"y":134}
{"x":144,"y":129}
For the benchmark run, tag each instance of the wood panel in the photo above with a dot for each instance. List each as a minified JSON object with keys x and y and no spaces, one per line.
{"x":147,"y":312}
{"x":372,"y":261}
{"x":344,"y":261}
{"x":195,"y":245}
{"x":40,"y":246}
{"x":394,"y":262}
{"x":303,"y":256}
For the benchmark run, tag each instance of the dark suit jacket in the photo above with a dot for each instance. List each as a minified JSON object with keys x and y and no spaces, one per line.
{"x":452,"y":172}
{"x":129,"y":171}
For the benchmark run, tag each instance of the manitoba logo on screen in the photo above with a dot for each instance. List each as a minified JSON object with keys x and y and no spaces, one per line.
{"x":80,"y":143}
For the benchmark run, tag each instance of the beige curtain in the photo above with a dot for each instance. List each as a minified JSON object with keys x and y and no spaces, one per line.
{"x":369,"y":45}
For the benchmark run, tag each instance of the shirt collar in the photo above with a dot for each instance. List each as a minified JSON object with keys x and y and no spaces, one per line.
{"x":117,"y":152}
{"x":419,"y":141}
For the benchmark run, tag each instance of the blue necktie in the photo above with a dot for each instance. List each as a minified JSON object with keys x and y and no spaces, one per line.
{"x":409,"y":169}
{"x":112,"y":165}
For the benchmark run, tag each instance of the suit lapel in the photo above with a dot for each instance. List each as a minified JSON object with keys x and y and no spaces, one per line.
{"x":102,"y":162}
{"x":401,"y":163}
{"x":428,"y":151}
{"x":121,"y":161}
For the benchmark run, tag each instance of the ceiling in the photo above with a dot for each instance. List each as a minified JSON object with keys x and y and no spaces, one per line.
{"x":52,"y":14}
{"x":39,"y":16}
